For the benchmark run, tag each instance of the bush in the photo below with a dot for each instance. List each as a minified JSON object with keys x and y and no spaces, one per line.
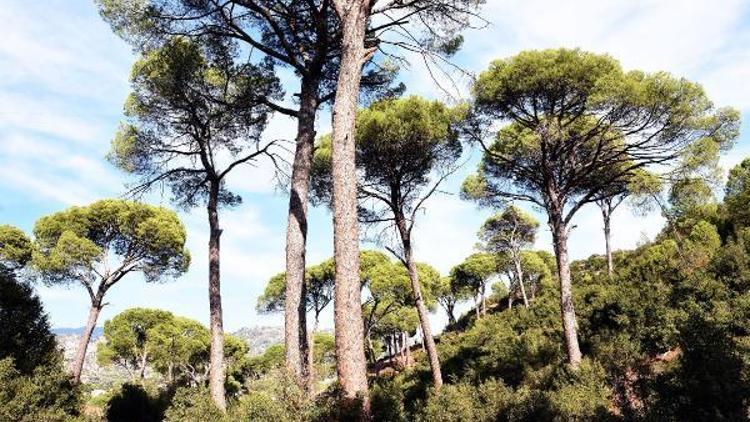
{"x":464,"y":402}
{"x":193,"y":405}
{"x":47,"y":394}
{"x":135,"y":402}
{"x":387,"y":398}
{"x":260,"y":406}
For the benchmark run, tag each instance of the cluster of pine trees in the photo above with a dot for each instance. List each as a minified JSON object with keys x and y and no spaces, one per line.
{"x":657,"y":333}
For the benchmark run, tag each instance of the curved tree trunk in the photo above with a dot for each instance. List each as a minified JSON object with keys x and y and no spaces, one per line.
{"x":216,"y":360}
{"x":296,"y":341}
{"x":567,"y":309}
{"x":350,"y":353}
{"x":83,"y":342}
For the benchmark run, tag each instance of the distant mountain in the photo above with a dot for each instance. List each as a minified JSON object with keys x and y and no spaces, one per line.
{"x":260,"y":338}
{"x":67,"y":331}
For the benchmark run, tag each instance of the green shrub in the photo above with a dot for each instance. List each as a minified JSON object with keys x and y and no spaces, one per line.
{"x":464,"y":402}
{"x":47,"y":394}
{"x":193,"y":404}
{"x":134,"y":402}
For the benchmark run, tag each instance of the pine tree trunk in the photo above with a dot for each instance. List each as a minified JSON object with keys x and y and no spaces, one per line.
{"x":216,"y":359}
{"x":484,"y":299}
{"x":295,"y":313}
{"x":567,"y":309}
{"x":424,"y":321}
{"x":607,"y":215}
{"x":350,"y":353}
{"x":519,"y":275}
{"x":477,"y":311}
{"x":451,"y":315}
{"x":142,"y":370}
{"x":83,"y":342}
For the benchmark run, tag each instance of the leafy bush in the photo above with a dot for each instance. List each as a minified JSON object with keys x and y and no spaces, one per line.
{"x":47,"y":394}
{"x":464,"y":402}
{"x":192,"y":405}
{"x":137,"y":402}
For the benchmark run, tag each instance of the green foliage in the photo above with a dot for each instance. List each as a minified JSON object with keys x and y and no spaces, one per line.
{"x":737,"y":194}
{"x":463,"y":402}
{"x":193,"y":405}
{"x":74,"y":243}
{"x":510,"y":230}
{"x":15,"y":247}
{"x":167,"y":143}
{"x":475,"y":271}
{"x":47,"y":393}
{"x":24,"y":329}
{"x":128,"y":338}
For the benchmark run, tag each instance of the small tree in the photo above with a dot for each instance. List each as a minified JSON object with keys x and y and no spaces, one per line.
{"x":474,"y":274}
{"x":449,"y":293}
{"x":128,"y":343}
{"x":580,"y":126}
{"x":401,"y":143}
{"x":193,"y":117}
{"x":99,"y":244}
{"x":508,"y":233}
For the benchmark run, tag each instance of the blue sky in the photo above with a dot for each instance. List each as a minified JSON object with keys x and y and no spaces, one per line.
{"x":63,"y":79}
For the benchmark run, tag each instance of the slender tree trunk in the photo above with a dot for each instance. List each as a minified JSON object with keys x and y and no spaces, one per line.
{"x":408,"y":349}
{"x":519,"y":275}
{"x":424,"y":321}
{"x":142,"y":369}
{"x":607,"y":216}
{"x":295,"y":324}
{"x":477,"y":311}
{"x":567,"y":309}
{"x":484,"y":299}
{"x":216,"y":359}
{"x":352,"y":365}
{"x":83,"y":342}
{"x":451,"y":315}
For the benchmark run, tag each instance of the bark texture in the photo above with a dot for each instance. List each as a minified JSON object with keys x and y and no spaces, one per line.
{"x":424,"y":322}
{"x":216,"y":358}
{"x":350,"y":351}
{"x":607,"y":217}
{"x":567,"y":309}
{"x":83,"y":343}
{"x":297,"y":344}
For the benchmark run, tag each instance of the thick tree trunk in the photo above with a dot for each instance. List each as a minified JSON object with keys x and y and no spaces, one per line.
{"x":607,"y":216}
{"x":296,"y":341}
{"x":451,"y":314}
{"x":216,"y":359}
{"x":83,"y":343}
{"x":350,"y":353}
{"x":424,"y":321}
{"x":567,"y":309}
{"x":519,"y":275}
